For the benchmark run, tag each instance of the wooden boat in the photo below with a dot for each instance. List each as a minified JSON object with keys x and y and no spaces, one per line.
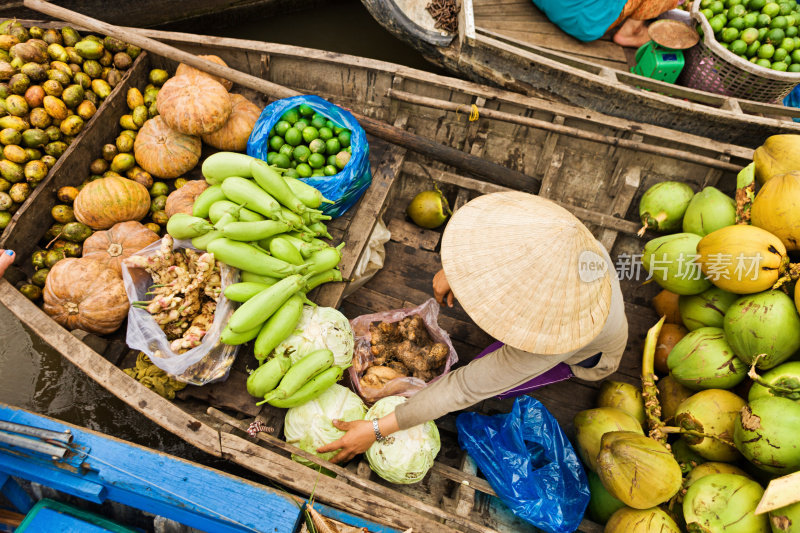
{"x":78,"y":471}
{"x":174,"y":15}
{"x":594,"y":164}
{"x":510,"y":43}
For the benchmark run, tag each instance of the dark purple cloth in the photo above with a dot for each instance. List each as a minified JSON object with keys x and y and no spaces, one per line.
{"x":560,"y":372}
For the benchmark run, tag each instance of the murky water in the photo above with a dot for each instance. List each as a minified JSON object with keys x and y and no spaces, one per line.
{"x":34,"y":376}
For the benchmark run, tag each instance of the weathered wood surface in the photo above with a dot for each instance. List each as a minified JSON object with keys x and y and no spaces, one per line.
{"x":542,"y":61}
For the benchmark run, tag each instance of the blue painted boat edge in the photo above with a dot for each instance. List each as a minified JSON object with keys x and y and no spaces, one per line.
{"x":186,"y":492}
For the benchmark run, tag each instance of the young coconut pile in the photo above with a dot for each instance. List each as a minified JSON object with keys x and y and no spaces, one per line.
{"x":718,"y":328}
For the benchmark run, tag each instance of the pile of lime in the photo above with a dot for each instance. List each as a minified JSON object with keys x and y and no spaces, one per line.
{"x":763,"y":31}
{"x":308,"y":144}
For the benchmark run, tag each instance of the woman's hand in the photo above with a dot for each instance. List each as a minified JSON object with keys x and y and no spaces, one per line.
{"x":441,"y":289}
{"x":6,"y":258}
{"x":358,"y":438}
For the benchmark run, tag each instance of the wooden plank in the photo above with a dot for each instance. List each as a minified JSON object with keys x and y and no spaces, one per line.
{"x":365,"y":218}
{"x":630,"y":181}
{"x":714,"y":174}
{"x":612,"y":53}
{"x":472,"y":127}
{"x":410,"y":234}
{"x":547,"y":154}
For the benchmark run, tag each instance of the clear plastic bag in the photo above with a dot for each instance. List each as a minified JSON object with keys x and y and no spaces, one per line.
{"x":362,"y":355}
{"x":211,"y":360}
{"x":530,"y":464}
{"x":372,"y":259}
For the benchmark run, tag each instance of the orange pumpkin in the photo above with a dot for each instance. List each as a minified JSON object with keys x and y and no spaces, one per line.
{"x":84,"y":294}
{"x":165,"y":152}
{"x":124,"y":239}
{"x":193,"y":105}
{"x":106,"y":201}
{"x":186,"y":70}
{"x":181,"y":200}
{"x":234,"y":134}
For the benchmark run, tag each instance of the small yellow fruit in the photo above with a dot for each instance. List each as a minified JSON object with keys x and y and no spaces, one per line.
{"x":429,"y":209}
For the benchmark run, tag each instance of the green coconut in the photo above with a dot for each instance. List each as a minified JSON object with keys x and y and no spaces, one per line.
{"x":783,"y":381}
{"x":706,"y":309}
{"x":766,"y":432}
{"x":726,"y":503}
{"x":653,"y":520}
{"x":592,"y":424}
{"x":662,"y":206}
{"x":711,"y":412}
{"x":637,"y":470}
{"x":623,"y":396}
{"x":709,"y":210}
{"x":763,"y":323}
{"x":670,"y":260}
{"x":786,"y":519}
{"x":704,"y":360}
{"x":711,"y":467}
{"x":687,"y":458}
{"x":601,"y":503}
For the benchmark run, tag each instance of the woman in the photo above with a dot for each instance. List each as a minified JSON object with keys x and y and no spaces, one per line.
{"x":588,"y":20}
{"x":531,"y":275}
{"x":6,"y":258}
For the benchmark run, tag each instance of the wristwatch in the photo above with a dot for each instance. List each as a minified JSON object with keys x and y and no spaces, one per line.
{"x":377,"y":430}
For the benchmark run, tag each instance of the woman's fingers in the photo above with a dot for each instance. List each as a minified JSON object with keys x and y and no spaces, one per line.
{"x":6,"y":258}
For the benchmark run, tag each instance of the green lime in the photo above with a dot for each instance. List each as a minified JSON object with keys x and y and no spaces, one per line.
{"x":785,"y":8}
{"x":304,"y":170}
{"x":306,"y":110}
{"x":271,"y":157}
{"x":752,"y":49}
{"x":282,"y":161}
{"x":779,"y":22}
{"x":791,"y":20}
{"x":319,"y":173}
{"x":796,"y":42}
{"x":749,"y":35}
{"x":275,"y":142}
{"x":731,"y":3}
{"x":317,"y":146}
{"x":330,"y":170}
{"x":754,"y":59}
{"x":794,"y":67}
{"x":287,"y":150}
{"x":318,"y":121}
{"x":331,"y":159}
{"x":342,"y":159}
{"x":317,"y":115}
{"x":791,"y":31}
{"x":779,"y":55}
{"x":736,"y":11}
{"x":344,"y":138}
{"x":294,"y":164}
{"x":337,"y":130}
{"x":325,"y":133}
{"x":779,"y":66}
{"x":332,"y":146}
{"x":705,"y":3}
{"x":750,"y":20}
{"x":301,"y":124}
{"x":763,"y":20}
{"x":737,"y":23}
{"x":707,"y":13}
{"x":766,"y":51}
{"x":291,"y":116}
{"x":271,"y":132}
{"x":739,"y":47}
{"x":281,"y":127}
{"x":291,"y":173}
{"x":310,"y":133}
{"x":293,"y":136}
{"x":729,"y":35}
{"x":301,"y":153}
{"x":330,"y":124}
{"x":762,"y":34}
{"x":764,"y":63}
{"x":787,"y":44}
{"x":717,"y":22}
{"x":316,"y":160}
{"x":756,"y":5}
{"x":716,"y":7}
{"x":726,"y":46}
{"x":796,"y":55}
{"x":775,"y":36}
{"x":772,"y":9}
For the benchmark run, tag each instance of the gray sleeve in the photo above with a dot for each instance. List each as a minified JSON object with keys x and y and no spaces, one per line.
{"x":482,"y":378}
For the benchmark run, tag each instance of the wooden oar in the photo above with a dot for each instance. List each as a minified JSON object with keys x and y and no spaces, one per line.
{"x":450,"y":156}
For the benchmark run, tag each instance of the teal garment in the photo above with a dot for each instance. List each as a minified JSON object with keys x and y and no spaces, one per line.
{"x":586,"y":20}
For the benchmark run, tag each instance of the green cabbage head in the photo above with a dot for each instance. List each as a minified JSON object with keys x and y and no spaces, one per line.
{"x":309,"y":426}
{"x":406,"y":455}
{"x":321,"y":327}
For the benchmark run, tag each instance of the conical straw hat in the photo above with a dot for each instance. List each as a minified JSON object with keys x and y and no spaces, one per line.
{"x":527,"y":272}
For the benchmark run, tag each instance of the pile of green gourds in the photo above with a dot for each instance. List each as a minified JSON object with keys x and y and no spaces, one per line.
{"x":266,"y":225}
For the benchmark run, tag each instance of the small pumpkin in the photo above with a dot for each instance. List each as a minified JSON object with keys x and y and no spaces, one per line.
{"x":181,"y":200}
{"x":186,"y":70}
{"x":165,"y":152}
{"x":84,"y":294}
{"x":234,"y":134}
{"x":119,"y":242}
{"x":106,"y":201}
{"x":193,"y":105}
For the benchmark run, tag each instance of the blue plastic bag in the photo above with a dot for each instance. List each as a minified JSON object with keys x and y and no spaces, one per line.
{"x":529,"y":463}
{"x":344,"y":188}
{"x":793,"y":100}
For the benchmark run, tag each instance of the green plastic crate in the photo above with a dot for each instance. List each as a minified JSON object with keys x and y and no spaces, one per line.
{"x":49,"y":515}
